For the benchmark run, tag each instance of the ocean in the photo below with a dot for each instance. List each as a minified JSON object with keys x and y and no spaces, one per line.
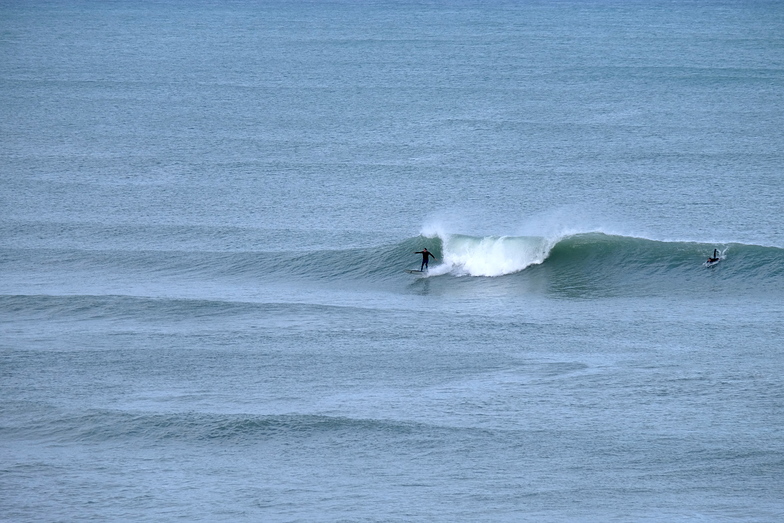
{"x":207,"y":215}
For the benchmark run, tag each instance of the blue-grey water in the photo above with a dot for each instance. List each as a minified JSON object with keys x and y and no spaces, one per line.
{"x":206,"y":214}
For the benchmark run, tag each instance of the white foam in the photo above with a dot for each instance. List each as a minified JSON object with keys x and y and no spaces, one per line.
{"x":491,"y":255}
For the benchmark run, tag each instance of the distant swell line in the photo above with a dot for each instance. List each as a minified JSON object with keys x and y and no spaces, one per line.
{"x":101,"y":426}
{"x":115,"y":307}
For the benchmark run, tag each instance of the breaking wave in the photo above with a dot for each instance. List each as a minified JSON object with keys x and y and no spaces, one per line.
{"x":590,"y":260}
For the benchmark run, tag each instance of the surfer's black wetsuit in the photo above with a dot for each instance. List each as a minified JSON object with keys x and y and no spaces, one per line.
{"x":425,"y":258}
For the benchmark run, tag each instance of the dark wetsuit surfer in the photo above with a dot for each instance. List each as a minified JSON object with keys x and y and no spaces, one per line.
{"x":715,"y":256}
{"x":425,"y":257}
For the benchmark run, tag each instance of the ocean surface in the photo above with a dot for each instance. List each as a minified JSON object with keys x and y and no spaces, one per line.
{"x":207,"y":212}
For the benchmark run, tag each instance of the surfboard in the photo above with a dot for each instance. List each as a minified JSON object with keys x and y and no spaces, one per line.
{"x":710,"y":263}
{"x":413,"y":271}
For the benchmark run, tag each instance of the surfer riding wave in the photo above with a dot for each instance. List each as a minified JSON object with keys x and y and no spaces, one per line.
{"x":425,"y":258}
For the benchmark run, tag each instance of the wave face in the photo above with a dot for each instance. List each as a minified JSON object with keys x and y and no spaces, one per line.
{"x":586,"y":263}
{"x":502,"y":255}
{"x":598,"y":263}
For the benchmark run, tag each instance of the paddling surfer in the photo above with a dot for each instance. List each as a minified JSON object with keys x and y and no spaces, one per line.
{"x":715,"y":256}
{"x":425,"y":258}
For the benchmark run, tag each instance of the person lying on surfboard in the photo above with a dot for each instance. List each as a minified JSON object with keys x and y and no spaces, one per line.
{"x":715,"y":256}
{"x":425,"y":257}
